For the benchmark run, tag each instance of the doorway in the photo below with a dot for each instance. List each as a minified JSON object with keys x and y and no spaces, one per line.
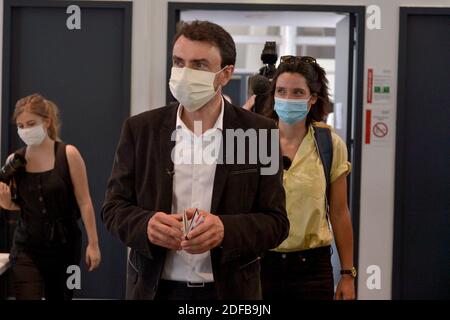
{"x":347,"y":32}
{"x":86,"y":72}
{"x":422,"y":171}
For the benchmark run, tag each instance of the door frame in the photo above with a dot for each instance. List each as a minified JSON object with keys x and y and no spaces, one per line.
{"x":401,"y":140}
{"x":6,"y":113}
{"x":354,"y":106}
{"x":9,"y":5}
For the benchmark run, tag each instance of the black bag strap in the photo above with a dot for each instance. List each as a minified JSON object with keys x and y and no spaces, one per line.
{"x":62,"y":167}
{"x":324,"y":145}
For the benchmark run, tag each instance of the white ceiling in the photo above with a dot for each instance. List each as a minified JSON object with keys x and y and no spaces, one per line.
{"x":265,"y":18}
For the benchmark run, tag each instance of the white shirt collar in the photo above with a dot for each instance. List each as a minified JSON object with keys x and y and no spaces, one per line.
{"x":217,"y":125}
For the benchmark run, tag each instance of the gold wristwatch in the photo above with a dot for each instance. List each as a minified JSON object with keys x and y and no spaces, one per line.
{"x":352,"y":272}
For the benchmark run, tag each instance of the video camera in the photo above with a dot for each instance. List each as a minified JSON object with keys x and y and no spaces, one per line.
{"x":269,"y":57}
{"x":260,"y":84}
{"x":11,"y":166}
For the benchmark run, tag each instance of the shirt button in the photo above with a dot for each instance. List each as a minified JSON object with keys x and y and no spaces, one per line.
{"x":283,"y":256}
{"x":41,"y":199}
{"x":44,"y":210}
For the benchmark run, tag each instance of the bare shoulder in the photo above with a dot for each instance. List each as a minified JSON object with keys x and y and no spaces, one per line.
{"x":73,"y":155}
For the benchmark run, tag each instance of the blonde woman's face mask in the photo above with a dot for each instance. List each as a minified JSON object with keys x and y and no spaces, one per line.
{"x":31,"y":128}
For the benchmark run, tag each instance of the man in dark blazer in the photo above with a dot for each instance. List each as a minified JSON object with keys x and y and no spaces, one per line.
{"x":243,"y":210}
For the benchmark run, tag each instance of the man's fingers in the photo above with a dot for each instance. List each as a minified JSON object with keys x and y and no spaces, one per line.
{"x":169,"y":231}
{"x":199,"y":230}
{"x":166,"y":230}
{"x":165,"y":241}
{"x":168,"y":244}
{"x":197,"y":249}
{"x":172,"y":244}
{"x":203,"y":243}
{"x":190,"y":212}
{"x":177,"y":216}
{"x":202,"y":227}
{"x":202,"y":238}
{"x":163,"y":225}
{"x":169,"y":220}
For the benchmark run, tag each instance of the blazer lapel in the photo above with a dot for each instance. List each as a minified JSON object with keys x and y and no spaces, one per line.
{"x":230,"y":121}
{"x":166,"y":165}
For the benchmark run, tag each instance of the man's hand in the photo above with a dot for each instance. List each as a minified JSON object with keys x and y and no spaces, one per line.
{"x":207,"y":235}
{"x":165,"y":230}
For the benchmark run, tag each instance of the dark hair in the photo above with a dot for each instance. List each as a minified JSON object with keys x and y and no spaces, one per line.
{"x":317,"y":84}
{"x":211,"y":33}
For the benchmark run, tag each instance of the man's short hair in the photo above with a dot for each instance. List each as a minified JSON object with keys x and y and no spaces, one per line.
{"x":212,"y":33}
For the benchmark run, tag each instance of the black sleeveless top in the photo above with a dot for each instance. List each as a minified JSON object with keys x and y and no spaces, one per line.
{"x":47,"y":225}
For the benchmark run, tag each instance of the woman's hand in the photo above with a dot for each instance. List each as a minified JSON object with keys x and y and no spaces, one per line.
{"x":93,"y":257}
{"x":250,"y":103}
{"x":345,"y":289}
{"x":5,"y":196}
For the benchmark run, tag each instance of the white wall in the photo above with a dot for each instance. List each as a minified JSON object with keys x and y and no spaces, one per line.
{"x":377,"y":180}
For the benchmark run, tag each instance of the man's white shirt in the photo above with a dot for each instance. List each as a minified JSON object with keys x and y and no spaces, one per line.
{"x":193,"y":180}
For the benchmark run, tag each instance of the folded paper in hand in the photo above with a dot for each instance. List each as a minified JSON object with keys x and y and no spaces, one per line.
{"x":189,"y":225}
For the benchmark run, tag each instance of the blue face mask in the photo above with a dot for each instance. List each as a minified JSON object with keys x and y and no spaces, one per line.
{"x":291,"y":110}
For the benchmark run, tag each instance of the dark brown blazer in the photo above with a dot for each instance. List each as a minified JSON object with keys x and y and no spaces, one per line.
{"x":250,"y":205}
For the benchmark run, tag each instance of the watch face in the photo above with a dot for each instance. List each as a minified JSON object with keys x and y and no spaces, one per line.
{"x":351,"y":272}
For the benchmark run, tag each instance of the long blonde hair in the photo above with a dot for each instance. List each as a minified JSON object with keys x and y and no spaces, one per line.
{"x":40,"y":106}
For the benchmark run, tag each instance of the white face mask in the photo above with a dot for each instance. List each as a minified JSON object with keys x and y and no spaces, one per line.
{"x":192,"y":88}
{"x":32,"y":136}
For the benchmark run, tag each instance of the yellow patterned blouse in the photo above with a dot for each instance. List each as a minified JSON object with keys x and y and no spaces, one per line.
{"x":305,"y":187}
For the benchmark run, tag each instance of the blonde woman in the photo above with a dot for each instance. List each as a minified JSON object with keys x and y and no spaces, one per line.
{"x":51,"y":193}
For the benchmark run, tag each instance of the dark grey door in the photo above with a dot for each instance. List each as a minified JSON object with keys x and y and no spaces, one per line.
{"x":422,"y":206}
{"x":86,"y":72}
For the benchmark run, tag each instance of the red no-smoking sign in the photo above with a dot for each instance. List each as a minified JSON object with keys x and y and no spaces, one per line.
{"x":380,"y":129}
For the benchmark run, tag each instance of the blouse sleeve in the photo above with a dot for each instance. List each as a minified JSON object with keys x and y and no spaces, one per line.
{"x":340,"y":164}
